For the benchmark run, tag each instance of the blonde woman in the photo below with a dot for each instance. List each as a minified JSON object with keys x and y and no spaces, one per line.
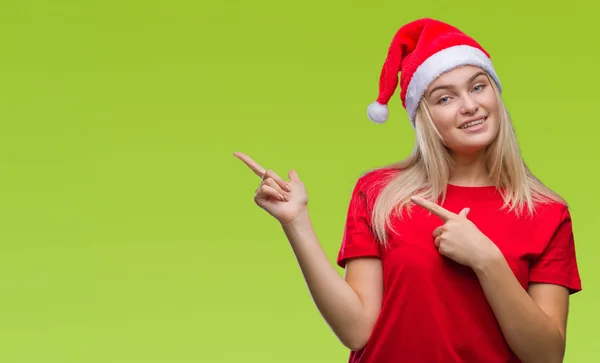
{"x":457,"y":253}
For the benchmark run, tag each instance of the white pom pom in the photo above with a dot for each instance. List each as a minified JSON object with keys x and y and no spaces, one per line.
{"x":377,"y":112}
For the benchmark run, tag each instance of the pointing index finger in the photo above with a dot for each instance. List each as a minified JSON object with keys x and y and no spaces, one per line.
{"x":434,"y":208}
{"x":253,"y":165}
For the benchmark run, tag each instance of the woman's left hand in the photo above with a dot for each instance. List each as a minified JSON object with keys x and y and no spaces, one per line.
{"x":458,"y":238}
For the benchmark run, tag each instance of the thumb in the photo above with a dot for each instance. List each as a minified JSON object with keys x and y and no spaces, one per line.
{"x":464,"y":212}
{"x":293,"y":175}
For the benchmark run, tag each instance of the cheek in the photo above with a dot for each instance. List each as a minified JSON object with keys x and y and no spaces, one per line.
{"x":494,"y":116}
{"x":444,"y":119}
{"x":489,"y":102}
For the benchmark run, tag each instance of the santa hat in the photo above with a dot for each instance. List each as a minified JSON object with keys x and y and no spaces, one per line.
{"x":422,"y":51}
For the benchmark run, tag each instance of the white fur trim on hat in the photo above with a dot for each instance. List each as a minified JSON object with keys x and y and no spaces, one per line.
{"x":439,"y":63}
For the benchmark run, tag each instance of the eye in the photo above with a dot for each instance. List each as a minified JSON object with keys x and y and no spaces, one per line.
{"x":478,"y":88}
{"x":444,"y":100}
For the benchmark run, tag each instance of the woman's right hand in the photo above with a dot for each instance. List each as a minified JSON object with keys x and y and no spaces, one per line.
{"x":283,"y":200}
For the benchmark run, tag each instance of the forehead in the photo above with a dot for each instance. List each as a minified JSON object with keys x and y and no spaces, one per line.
{"x":457,"y":76}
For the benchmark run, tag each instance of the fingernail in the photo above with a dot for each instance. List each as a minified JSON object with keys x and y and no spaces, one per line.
{"x":288,"y":188}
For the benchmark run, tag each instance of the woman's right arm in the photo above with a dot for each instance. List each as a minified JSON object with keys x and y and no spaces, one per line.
{"x":349,"y":305}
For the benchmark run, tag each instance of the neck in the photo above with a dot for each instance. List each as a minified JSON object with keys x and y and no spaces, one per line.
{"x":469,"y":170}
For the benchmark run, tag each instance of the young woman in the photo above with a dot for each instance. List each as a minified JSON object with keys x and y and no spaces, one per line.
{"x":456,"y":254}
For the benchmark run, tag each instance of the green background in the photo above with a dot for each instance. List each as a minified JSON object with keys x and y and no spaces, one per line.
{"x":128,"y":230}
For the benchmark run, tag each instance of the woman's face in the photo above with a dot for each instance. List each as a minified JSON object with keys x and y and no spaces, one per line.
{"x":464,"y":109}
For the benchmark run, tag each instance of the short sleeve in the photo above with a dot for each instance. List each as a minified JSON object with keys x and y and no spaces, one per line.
{"x":557,"y":264}
{"x":358,"y":239}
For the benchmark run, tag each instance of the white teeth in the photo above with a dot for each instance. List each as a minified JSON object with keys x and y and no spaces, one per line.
{"x":473,"y":123}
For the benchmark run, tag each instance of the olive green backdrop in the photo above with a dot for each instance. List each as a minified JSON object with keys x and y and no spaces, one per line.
{"x":128,"y":230}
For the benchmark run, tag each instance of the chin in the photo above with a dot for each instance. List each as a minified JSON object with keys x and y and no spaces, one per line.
{"x":471,"y":142}
{"x":471,"y":146}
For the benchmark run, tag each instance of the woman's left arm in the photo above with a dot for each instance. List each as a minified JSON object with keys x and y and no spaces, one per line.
{"x":534,"y":321}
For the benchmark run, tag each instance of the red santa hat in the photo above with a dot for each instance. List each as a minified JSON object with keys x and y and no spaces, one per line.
{"x":422,"y":51}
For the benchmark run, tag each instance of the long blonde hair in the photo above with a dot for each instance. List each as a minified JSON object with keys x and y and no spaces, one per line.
{"x":426,"y":171}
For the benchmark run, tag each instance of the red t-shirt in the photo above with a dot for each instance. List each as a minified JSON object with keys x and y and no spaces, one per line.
{"x":434,"y":309}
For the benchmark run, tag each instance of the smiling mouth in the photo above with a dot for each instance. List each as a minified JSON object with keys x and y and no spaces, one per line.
{"x":473,"y":123}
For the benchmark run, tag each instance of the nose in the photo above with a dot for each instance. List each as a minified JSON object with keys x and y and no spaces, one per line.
{"x":469,"y":105}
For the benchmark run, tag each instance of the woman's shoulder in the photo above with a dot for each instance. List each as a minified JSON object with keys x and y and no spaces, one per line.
{"x":552,"y":211}
{"x":371,"y":182}
{"x":377,"y":177}
{"x":547,"y":202}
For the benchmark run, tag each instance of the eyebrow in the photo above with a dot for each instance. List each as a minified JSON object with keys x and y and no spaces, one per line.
{"x":447,"y":86}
